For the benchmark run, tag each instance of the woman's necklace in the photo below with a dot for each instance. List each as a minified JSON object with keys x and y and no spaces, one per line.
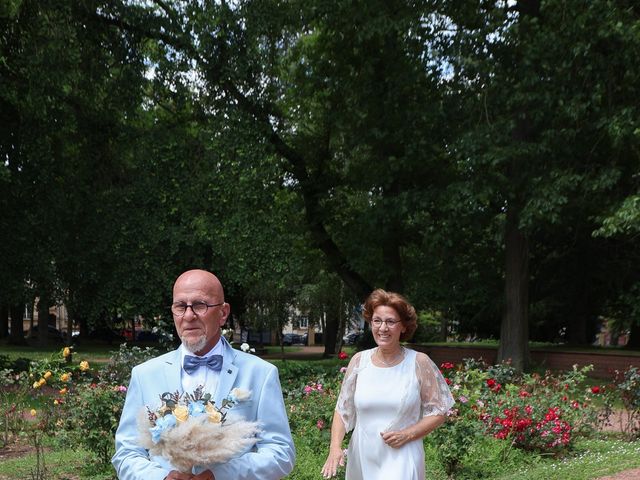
{"x":392,"y":362}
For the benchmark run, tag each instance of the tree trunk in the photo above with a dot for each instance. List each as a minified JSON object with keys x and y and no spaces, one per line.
{"x":514,"y":330}
{"x":444,"y":328}
{"x":17,"y":334}
{"x":4,"y":320}
{"x":331,"y":331}
{"x":393,"y":262}
{"x":43,"y":320}
{"x":634,"y":337}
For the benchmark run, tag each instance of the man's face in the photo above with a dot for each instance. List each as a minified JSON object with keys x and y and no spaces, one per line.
{"x":199,"y":333}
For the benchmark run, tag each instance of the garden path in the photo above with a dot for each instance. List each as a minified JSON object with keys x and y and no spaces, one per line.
{"x":633,"y":474}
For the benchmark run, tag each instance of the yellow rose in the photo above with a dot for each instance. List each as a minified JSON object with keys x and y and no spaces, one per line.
{"x":41,"y":382}
{"x":66,"y":352}
{"x":33,"y":412}
{"x":47,"y":375}
{"x":55,"y":402}
{"x":181,"y":413}
{"x":65,"y":377}
{"x":62,"y":391}
{"x":214,"y":415}
{"x":36,"y":384}
{"x":84,"y":366}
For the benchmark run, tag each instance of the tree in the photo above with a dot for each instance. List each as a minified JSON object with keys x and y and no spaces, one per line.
{"x":546,"y":91}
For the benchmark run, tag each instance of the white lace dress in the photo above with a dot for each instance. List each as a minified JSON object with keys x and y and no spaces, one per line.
{"x":376,"y":399}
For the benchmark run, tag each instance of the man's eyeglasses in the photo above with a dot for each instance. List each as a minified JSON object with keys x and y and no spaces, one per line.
{"x":377,"y":322}
{"x":198,"y":308}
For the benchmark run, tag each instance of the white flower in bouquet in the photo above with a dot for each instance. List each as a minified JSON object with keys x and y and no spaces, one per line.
{"x":189,"y":429}
{"x":246,"y":348}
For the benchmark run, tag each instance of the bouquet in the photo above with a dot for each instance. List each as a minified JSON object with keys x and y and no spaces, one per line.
{"x":189,"y":429}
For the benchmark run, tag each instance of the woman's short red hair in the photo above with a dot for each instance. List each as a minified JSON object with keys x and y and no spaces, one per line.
{"x":404,"y":309}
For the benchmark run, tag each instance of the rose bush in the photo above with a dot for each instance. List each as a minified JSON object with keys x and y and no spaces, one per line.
{"x":89,"y":417}
{"x":310,"y":405}
{"x":543,"y":413}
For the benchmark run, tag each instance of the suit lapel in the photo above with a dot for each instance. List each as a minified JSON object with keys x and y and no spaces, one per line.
{"x":171,"y":371}
{"x":228,"y":373}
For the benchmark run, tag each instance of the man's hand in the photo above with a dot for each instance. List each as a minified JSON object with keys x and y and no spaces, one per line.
{"x":176,"y":475}
{"x":206,"y":475}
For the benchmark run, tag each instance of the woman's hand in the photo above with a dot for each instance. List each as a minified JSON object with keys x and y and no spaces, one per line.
{"x":334,"y":460}
{"x":396,"y":439}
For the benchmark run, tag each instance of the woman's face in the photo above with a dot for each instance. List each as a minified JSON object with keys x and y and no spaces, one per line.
{"x":386,"y":335}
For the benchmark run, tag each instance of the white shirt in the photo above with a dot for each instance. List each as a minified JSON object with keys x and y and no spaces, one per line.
{"x":203,"y":375}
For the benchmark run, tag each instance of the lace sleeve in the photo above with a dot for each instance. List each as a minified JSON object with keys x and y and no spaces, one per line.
{"x":345,"y":406}
{"x":434,"y":391}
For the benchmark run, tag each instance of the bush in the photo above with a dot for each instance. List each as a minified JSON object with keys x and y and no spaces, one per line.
{"x":530,"y":412}
{"x":118,"y":370}
{"x":625,"y":392}
{"x":90,"y":418}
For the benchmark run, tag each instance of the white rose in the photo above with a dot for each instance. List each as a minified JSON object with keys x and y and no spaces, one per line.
{"x":241,"y":394}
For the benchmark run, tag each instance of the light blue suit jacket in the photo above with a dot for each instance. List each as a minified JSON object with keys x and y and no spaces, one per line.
{"x":273,"y":456}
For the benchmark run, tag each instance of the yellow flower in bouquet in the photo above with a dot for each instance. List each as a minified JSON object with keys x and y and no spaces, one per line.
{"x":47,"y":375}
{"x":181,"y":412}
{"x":66,"y":352}
{"x":212,"y":412}
{"x":65,"y":377}
{"x":84,"y":366}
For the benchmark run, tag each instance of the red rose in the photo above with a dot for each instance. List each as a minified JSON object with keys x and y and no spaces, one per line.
{"x":491,"y":383}
{"x":343,"y":356}
{"x":595,"y":389}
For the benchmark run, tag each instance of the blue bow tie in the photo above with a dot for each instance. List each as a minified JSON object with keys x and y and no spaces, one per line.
{"x":191,"y":363}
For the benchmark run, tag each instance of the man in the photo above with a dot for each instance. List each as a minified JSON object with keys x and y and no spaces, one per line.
{"x":199,"y":311}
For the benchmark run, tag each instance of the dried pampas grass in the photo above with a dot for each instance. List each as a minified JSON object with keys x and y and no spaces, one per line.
{"x":197,"y":441}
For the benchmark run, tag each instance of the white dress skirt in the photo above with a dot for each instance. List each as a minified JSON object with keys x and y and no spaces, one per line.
{"x":384,"y":399}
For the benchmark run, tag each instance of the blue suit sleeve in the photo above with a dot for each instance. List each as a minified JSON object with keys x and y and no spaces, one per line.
{"x":274,"y":454}
{"x":130,"y":460}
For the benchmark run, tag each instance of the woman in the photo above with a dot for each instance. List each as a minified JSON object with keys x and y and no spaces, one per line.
{"x":391,"y":396}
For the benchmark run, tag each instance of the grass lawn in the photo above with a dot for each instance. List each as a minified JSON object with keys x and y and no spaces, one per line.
{"x":545,"y":346}
{"x":90,"y":352}
{"x":592,"y":459}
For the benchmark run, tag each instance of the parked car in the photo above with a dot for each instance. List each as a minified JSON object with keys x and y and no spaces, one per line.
{"x":52,"y":333}
{"x":147,"y":336}
{"x":351,"y":338}
{"x":294,"y":339}
{"x":106,"y":334}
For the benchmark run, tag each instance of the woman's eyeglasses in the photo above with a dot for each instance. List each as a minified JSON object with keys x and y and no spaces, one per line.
{"x":377,"y":322}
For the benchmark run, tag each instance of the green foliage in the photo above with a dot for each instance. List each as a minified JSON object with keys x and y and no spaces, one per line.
{"x":79,"y":425}
{"x":90,"y":418}
{"x":118,"y":370}
{"x":622,"y":397}
{"x":57,"y":371}
{"x":529,"y":412}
